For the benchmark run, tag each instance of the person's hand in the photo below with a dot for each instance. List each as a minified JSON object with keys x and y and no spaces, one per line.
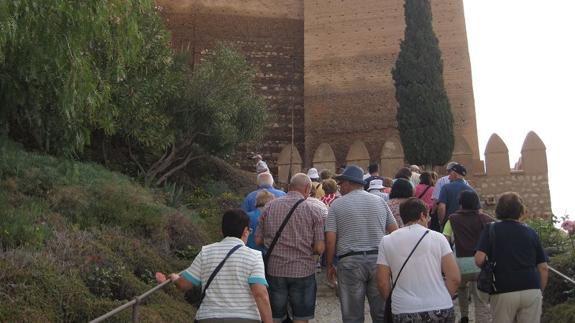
{"x":331,"y":274}
{"x":160,"y":278}
{"x":174,"y":277}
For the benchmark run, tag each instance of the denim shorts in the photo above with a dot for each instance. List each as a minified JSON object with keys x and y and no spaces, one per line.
{"x":300,"y":292}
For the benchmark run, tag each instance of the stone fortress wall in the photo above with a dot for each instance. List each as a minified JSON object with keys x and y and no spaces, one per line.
{"x":350,"y":50}
{"x":529,"y":176}
{"x":270,"y":33}
{"x":329,"y":63}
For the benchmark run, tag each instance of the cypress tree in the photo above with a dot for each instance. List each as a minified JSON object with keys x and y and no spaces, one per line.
{"x":424,"y":115}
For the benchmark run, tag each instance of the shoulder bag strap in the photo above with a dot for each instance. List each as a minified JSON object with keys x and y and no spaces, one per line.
{"x":215,"y":272}
{"x":492,"y":241}
{"x":405,"y":262}
{"x":421,"y":195}
{"x":279,"y":232}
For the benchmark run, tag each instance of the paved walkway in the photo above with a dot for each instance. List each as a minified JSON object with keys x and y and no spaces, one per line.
{"x":327,"y":308}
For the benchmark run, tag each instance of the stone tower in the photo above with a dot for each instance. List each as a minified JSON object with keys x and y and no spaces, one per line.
{"x":350,"y":50}
{"x":329,"y":63}
{"x":324,"y":67}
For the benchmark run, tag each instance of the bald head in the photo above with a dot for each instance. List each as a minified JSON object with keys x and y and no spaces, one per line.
{"x":265,"y":180}
{"x":300,"y":182}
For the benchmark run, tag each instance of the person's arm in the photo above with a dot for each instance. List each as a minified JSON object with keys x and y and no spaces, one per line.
{"x":260,"y":293}
{"x":259,"y":235}
{"x":384,"y":281}
{"x":330,"y":239}
{"x":452,"y":274}
{"x":318,"y":247}
{"x":318,"y":230}
{"x":391,"y":227}
{"x":543,"y":274}
{"x":441,"y":211}
{"x":482,"y":247}
{"x":480,"y":258}
{"x":178,"y":280}
{"x":390,"y":223}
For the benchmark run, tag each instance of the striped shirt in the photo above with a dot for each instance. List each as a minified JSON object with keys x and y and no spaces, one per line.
{"x":292,"y":255}
{"x":229,"y":294}
{"x":359,"y":220}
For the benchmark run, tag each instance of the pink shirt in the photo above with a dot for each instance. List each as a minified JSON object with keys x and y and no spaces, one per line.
{"x":419,"y":189}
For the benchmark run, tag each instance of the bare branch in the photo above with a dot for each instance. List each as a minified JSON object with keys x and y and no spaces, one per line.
{"x":183,"y":164}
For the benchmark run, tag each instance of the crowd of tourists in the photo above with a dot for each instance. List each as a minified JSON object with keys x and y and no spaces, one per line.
{"x":412,"y":246}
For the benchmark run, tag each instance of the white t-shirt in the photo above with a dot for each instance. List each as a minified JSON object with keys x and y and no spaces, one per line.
{"x":420,"y":287}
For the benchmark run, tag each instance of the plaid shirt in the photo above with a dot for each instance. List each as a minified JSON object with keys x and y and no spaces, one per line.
{"x":293,"y":254}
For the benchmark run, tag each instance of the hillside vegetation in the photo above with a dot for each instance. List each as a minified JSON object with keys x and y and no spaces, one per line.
{"x":76,"y":238}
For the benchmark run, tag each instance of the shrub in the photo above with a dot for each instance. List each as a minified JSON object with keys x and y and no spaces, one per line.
{"x":35,"y":290}
{"x":558,"y":290}
{"x":22,"y":225}
{"x":561,"y":313}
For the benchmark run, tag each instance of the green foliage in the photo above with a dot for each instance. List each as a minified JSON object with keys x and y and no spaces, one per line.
{"x":104,"y":281}
{"x":174,"y":194}
{"x":101,"y":239}
{"x":561,"y":313}
{"x":21,"y":226}
{"x":101,"y":74}
{"x":424,"y":115}
{"x":553,"y":239}
{"x":219,"y":110}
{"x":68,"y":68}
{"x":224,"y":109}
{"x":559,"y":296}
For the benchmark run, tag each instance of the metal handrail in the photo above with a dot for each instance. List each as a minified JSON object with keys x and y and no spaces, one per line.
{"x":134,"y":303}
{"x":567,"y":278}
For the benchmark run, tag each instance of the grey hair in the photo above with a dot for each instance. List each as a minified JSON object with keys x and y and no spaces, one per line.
{"x":300,"y":180}
{"x":265,"y":179}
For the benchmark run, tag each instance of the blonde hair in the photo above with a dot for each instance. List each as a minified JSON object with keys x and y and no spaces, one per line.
{"x":263,"y":197}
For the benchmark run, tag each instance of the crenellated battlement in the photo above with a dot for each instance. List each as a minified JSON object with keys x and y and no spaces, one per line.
{"x":528,"y":177}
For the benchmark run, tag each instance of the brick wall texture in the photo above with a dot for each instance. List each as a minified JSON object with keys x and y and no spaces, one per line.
{"x":328,"y":63}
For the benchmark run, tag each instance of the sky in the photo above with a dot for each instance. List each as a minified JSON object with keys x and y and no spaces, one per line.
{"x":523,"y":64}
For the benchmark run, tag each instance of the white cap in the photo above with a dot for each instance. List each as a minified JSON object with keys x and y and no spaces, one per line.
{"x":312,"y":173}
{"x":375,"y":184}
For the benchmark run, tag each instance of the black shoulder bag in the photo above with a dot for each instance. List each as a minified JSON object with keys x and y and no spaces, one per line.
{"x":388,"y":316}
{"x":277,"y":236}
{"x":486,"y":279}
{"x":214,"y":273}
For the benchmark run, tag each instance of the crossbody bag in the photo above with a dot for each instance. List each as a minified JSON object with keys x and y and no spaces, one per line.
{"x":486,"y":279}
{"x":279,"y":232}
{"x":214,"y":273}
{"x":387,"y":316}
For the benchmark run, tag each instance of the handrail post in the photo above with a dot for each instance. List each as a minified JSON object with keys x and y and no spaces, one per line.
{"x":135,"y":310}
